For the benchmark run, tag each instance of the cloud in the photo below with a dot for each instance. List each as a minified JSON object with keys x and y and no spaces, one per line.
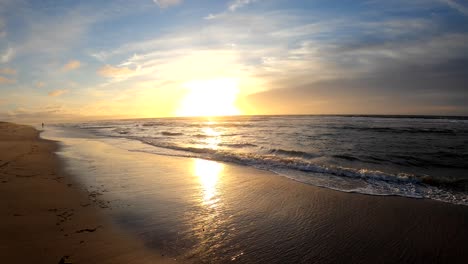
{"x":7,"y":55}
{"x":354,"y":56}
{"x":211,"y":16}
{"x":239,"y":3}
{"x":7,"y":71}
{"x":432,"y":76}
{"x":111,"y":71}
{"x":35,"y":115}
{"x":40,"y":84}
{"x":54,"y":34}
{"x":167,"y":3}
{"x":457,"y":6}
{"x":55,"y":93}
{"x":4,"y":80}
{"x":71,"y":65}
{"x":232,"y":7}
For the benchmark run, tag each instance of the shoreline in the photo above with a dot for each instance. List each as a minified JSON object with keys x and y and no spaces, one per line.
{"x":171,"y":207}
{"x":46,"y":217}
{"x":204,"y":211}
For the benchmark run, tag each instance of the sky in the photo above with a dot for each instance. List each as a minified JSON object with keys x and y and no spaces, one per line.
{"x":79,"y":60}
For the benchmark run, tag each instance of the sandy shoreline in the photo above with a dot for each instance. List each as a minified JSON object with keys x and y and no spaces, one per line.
{"x":242,"y":214}
{"x":44,"y":214}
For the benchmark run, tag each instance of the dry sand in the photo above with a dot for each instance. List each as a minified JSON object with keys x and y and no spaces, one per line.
{"x":45,"y":217}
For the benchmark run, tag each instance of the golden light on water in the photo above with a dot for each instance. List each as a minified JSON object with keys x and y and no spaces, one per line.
{"x":215,"y":97}
{"x":213,"y":138}
{"x":210,"y":132}
{"x":208,"y":173}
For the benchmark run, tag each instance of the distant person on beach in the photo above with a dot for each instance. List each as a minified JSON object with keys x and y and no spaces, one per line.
{"x":42,"y":125}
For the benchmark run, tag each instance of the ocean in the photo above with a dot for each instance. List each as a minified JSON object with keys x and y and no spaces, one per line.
{"x":410,"y":156}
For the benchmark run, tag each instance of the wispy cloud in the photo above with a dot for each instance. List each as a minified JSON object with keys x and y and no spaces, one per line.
{"x":56,"y":93}
{"x":211,"y":16}
{"x":279,"y":46}
{"x":232,"y":7}
{"x":239,"y":4}
{"x":457,"y":6}
{"x":167,"y":3}
{"x":4,"y":80}
{"x":111,"y":71}
{"x":56,"y":34}
{"x":47,"y":113}
{"x":7,"y":55}
{"x":71,"y":65}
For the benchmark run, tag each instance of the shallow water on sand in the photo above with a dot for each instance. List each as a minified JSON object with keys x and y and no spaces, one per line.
{"x":204,"y":211}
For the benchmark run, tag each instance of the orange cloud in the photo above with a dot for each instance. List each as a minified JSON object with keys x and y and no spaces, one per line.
{"x":71,"y":65}
{"x":57,"y":92}
{"x":40,"y":84}
{"x":7,"y":71}
{"x":111,"y":71}
{"x":4,"y":80}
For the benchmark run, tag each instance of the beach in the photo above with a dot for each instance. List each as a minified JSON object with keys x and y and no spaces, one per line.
{"x":46,"y":217}
{"x":97,"y":202}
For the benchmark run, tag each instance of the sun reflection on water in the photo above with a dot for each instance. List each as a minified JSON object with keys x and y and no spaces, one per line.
{"x":208,"y":173}
{"x":210,"y":223}
{"x":213,"y":138}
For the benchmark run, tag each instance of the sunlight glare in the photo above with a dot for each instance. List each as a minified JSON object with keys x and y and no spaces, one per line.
{"x":213,"y":138}
{"x":208,"y":172}
{"x":215,"y":97}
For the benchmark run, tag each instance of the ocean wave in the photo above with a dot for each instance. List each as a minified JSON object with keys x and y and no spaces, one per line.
{"x":237,"y":145}
{"x":217,"y":125}
{"x":438,"y":159}
{"x":399,"y":181}
{"x":167,"y":133}
{"x":410,"y":130}
{"x":96,"y":127}
{"x":122,"y":131}
{"x":176,"y":147}
{"x":427,"y":160}
{"x":152,"y":124}
{"x":297,"y":163}
{"x":346,"y":157}
{"x":293,"y":153}
{"x":203,"y":136}
{"x":230,"y":135}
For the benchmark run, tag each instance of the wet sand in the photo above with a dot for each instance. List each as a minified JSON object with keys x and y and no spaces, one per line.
{"x":45,"y":217}
{"x":199,"y":211}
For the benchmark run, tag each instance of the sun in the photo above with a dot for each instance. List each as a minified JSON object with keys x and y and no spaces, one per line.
{"x":215,"y":97}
